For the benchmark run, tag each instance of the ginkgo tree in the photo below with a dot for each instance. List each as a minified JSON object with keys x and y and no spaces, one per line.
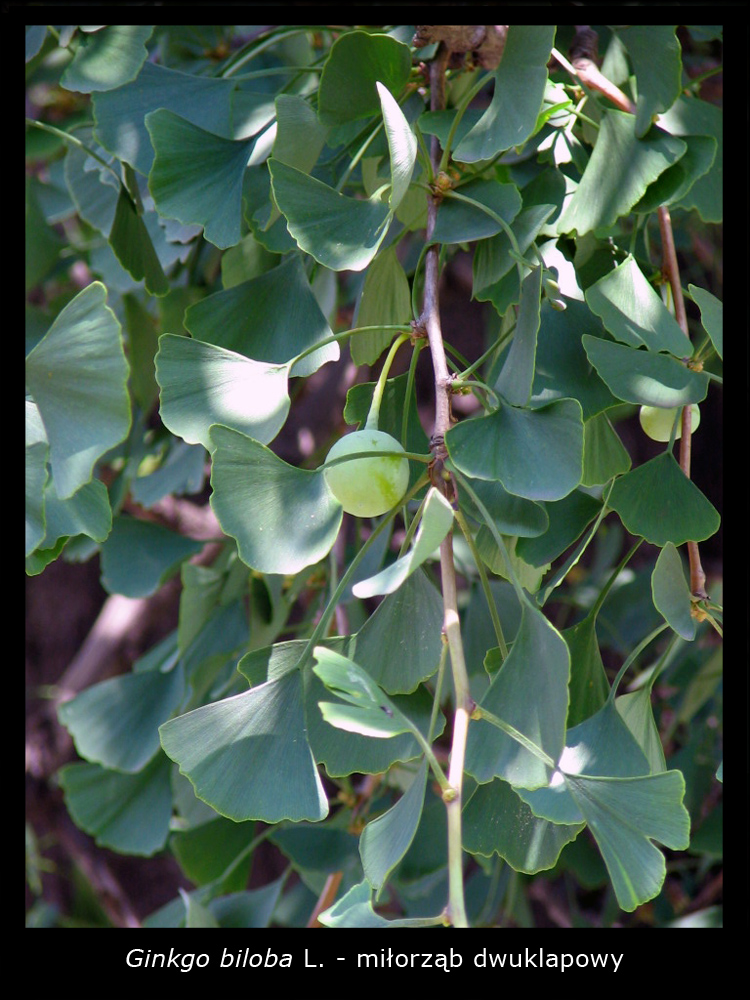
{"x":428,"y":656}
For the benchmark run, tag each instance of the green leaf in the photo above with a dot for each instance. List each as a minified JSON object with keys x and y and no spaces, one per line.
{"x":567,"y":520}
{"x":42,"y":244}
{"x":493,"y":260}
{"x":625,"y":815}
{"x":115,"y":723}
{"x":108,"y":58}
{"x":248,"y":756}
{"x":636,"y":712}
{"x":316,"y":850}
{"x":604,"y":454}
{"x":386,"y":299}
{"x":139,"y":556}
{"x":299,"y":135}
{"x":402,"y":146}
{"x":690,"y":116}
{"x":537,"y":454}
{"x":354,"y":909}
{"x":659,"y":503}
{"x":600,"y":746}
{"x":36,"y":477}
{"x":386,"y":839}
{"x":671,"y":593}
{"x":357,"y":61}
{"x":143,"y":344}
{"x":530,"y":577}
{"x":644,"y":377}
{"x":436,"y":522}
{"x":202,"y":384}
{"x":588,"y":681}
{"x":132,"y":246}
{"x":339,"y":232}
{"x":517,"y":375}
{"x":496,"y":821}
{"x":369,"y":711}
{"x":87,"y":512}
{"x":459,"y":222}
{"x":197,"y":176}
{"x":520,"y":82}
{"x":712,"y":316}
{"x":676,"y":181}
{"x":512,"y":515}
{"x":120,"y":114}
{"x":271,"y":318}
{"x":195,"y":914}
{"x":562,"y":368}
{"x":35,"y":38}
{"x":346,"y":751}
{"x":659,"y":80}
{"x":540,"y":662}
{"x":620,"y":170}
{"x":129,"y":813}
{"x":603,"y":779}
{"x":399,"y":645}
{"x":633,"y":313}
{"x":206,"y":852}
{"x":283,"y":518}
{"x":78,"y":369}
{"x":357,"y":408}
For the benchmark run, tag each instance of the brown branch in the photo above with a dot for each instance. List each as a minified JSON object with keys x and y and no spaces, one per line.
{"x":429,"y":321}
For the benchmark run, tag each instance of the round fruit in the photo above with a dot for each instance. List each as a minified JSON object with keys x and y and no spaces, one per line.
{"x":370,"y":486}
{"x":657,"y":422}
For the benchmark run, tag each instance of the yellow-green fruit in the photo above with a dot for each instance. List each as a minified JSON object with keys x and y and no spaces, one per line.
{"x":657,"y":422}
{"x":369,"y":486}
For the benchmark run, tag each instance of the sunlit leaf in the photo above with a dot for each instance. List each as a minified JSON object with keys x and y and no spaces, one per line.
{"x":659,"y":80}
{"x":620,"y":170}
{"x":108,"y":58}
{"x":437,"y":518}
{"x":341,"y":233}
{"x":120,"y":114}
{"x":202,"y":384}
{"x":520,"y":82}
{"x":632,"y":311}
{"x":645,"y":377}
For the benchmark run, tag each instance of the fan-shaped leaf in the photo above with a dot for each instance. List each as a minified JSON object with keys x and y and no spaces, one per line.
{"x":79,"y":368}
{"x":283,"y":518}
{"x":202,"y":384}
{"x":248,"y":756}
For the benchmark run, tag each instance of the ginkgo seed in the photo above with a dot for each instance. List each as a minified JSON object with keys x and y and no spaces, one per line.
{"x":657,"y":422}
{"x":367,"y":487}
